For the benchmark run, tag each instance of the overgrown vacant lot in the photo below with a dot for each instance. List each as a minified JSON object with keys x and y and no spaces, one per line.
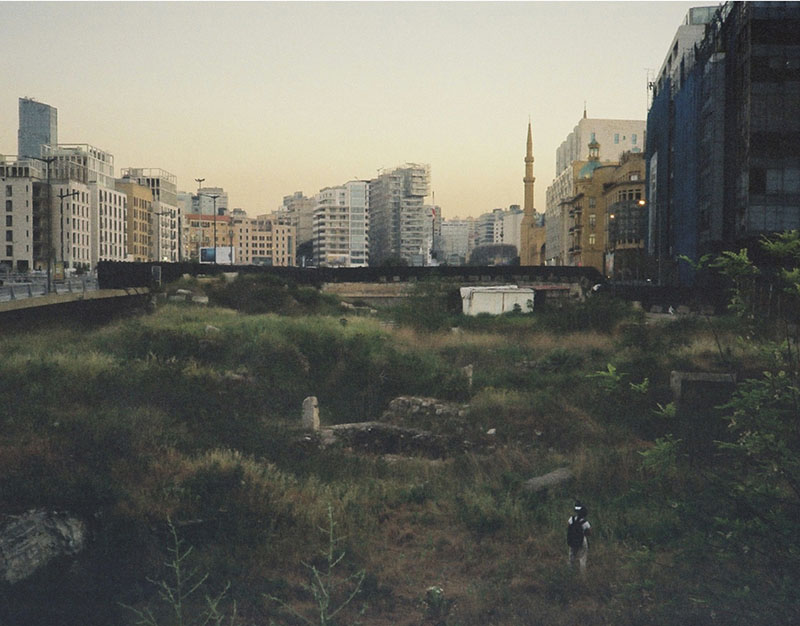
{"x":187,"y":419}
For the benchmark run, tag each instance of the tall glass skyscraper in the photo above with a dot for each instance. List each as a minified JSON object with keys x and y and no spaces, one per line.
{"x":38,"y":125}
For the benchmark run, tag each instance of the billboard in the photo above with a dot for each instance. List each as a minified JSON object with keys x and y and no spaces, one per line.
{"x":221,"y":255}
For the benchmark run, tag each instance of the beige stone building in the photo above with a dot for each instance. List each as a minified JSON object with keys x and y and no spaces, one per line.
{"x":277,"y":243}
{"x":139,"y":227}
{"x":605,"y":215}
{"x":209,"y":231}
{"x":256,"y":241}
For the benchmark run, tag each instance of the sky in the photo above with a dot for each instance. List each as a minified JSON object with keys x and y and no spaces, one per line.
{"x":268,"y":98}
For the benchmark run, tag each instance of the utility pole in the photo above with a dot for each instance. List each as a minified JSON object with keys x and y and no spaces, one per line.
{"x":214,"y":198}
{"x":61,"y":196}
{"x":199,"y":182}
{"x":46,"y":243}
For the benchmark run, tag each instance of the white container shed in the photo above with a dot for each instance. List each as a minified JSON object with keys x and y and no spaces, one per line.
{"x":496,"y":300}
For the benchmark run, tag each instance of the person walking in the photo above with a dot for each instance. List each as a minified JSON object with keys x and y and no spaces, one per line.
{"x":578,"y":528}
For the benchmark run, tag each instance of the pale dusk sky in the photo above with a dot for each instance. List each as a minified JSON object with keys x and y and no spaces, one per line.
{"x":268,"y":98}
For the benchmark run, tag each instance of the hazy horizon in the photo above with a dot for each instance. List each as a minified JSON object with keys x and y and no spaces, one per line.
{"x":268,"y":98}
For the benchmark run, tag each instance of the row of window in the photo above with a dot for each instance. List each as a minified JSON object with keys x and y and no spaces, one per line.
{"x":629,"y":194}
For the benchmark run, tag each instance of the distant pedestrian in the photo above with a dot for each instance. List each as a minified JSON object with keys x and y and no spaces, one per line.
{"x":578,"y":528}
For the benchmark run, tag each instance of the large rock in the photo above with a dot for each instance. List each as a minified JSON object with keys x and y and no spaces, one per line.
{"x":30,"y":541}
{"x":556,"y":477}
{"x":381,"y":438}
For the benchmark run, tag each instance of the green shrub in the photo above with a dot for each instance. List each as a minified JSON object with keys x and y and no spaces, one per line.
{"x":596,"y":313}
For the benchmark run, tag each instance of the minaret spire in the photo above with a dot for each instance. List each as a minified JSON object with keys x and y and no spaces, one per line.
{"x":529,"y":178}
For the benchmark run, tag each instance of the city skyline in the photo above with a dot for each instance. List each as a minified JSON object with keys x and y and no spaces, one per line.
{"x":301,"y":96}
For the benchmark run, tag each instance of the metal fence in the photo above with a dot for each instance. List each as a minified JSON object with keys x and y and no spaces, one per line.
{"x":19,"y":285}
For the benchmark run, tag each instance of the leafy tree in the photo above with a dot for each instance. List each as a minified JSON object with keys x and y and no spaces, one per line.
{"x":494,"y":254}
{"x":756,"y":481}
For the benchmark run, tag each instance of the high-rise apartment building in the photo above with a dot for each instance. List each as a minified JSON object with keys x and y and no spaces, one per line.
{"x":456,"y":242}
{"x":72,"y":221}
{"x":207,"y":198}
{"x":341,"y":226}
{"x":501,"y":226}
{"x":108,"y":227}
{"x":489,"y":228}
{"x":38,"y":126}
{"x":185,"y":204}
{"x":398,"y":217}
{"x":21,"y":189}
{"x":94,"y":168}
{"x":297,"y":210}
{"x":722,"y":135}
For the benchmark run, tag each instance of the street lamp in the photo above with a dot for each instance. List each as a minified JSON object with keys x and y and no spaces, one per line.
{"x":61,"y":196}
{"x":214,"y":198}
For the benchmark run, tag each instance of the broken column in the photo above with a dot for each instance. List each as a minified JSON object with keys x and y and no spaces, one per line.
{"x":310,"y":418}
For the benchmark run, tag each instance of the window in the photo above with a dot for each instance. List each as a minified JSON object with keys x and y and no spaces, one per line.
{"x":9,"y":221}
{"x":592,"y":239}
{"x":616,"y":137}
{"x":8,"y":190}
{"x":9,"y":235}
{"x":592,"y":220}
{"x":9,"y":206}
{"x":9,"y":250}
{"x":634,"y":139}
{"x":791,"y":180}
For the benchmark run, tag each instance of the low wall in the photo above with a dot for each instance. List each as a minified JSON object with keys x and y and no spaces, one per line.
{"x":88,"y":307}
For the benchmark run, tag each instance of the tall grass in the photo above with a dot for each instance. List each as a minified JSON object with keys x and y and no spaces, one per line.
{"x":191,"y":414}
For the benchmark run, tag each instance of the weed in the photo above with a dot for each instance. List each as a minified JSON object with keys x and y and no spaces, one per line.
{"x":178,"y":594}
{"x":328,"y":588}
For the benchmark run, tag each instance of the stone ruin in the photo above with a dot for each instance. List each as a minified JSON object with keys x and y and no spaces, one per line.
{"x":410,"y":425}
{"x":427,"y":413}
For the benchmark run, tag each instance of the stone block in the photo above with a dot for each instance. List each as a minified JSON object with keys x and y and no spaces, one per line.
{"x":556,"y":477}
{"x":310,"y":417}
{"x":701,"y":388}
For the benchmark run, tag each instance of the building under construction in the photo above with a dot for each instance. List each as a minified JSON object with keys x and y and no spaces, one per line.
{"x":722,"y":134}
{"x":398,"y":218}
